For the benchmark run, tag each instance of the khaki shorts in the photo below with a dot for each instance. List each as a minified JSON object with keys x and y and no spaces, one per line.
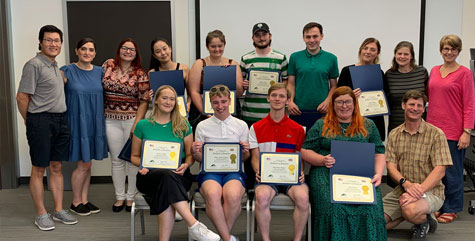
{"x":393,"y":210}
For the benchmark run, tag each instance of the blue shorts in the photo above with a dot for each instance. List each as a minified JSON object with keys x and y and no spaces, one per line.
{"x":221,"y":178}
{"x":277,"y":188}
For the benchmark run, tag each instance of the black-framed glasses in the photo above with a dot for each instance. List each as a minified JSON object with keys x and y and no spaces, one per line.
{"x":215,"y":89}
{"x":125,"y":49}
{"x":343,"y":102}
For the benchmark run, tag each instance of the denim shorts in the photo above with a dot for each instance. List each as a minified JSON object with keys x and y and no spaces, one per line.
{"x":278,"y":188}
{"x":48,"y":137}
{"x":221,"y":178}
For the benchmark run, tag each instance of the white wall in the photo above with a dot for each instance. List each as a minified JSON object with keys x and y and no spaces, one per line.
{"x":27,"y":16}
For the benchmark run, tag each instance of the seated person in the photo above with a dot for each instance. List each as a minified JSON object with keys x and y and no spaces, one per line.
{"x":166,"y":190}
{"x":417,"y":154}
{"x":278,"y":133}
{"x":222,"y":192}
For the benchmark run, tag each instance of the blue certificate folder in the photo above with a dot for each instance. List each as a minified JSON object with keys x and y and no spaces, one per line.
{"x":173,"y":78}
{"x":238,"y":158}
{"x":126,"y":151}
{"x":219,"y":75}
{"x":352,"y":158}
{"x":367,"y":77}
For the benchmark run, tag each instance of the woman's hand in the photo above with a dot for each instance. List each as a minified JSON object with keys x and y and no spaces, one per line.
{"x":464,"y":141}
{"x":328,"y":161}
{"x":376,"y":179}
{"x":143,"y":171}
{"x":196,"y":147}
{"x":258,"y":177}
{"x":357,"y":92}
{"x":182,"y":168}
{"x":302,"y":177}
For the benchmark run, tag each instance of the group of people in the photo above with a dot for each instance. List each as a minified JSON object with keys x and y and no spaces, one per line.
{"x":80,"y":112}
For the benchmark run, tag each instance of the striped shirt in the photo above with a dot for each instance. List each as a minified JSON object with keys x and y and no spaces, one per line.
{"x":417,"y":155}
{"x":399,"y":83}
{"x":255,"y":106}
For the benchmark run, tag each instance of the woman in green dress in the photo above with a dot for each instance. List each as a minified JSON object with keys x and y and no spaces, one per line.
{"x":342,"y":221}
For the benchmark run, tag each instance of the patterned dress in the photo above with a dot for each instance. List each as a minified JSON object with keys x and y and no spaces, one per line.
{"x":342,"y":221}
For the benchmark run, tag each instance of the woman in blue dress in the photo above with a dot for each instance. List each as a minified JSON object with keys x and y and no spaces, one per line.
{"x":85,"y":112}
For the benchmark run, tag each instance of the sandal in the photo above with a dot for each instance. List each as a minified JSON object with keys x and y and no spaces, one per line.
{"x":446,"y":217}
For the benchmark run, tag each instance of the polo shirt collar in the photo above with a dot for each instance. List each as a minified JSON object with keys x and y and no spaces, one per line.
{"x":270,"y":120}
{"x":45,"y":60}
{"x":309,"y":55}
{"x":218,"y":121}
{"x":422,"y":127}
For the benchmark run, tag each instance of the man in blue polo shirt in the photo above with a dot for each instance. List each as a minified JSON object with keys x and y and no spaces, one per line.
{"x":313,"y":76}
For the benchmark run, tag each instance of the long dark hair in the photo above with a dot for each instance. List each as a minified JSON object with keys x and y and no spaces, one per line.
{"x":154,"y":63}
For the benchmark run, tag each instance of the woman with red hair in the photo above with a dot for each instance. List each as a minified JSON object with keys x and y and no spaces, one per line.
{"x":334,"y":221}
{"x":126,"y":89}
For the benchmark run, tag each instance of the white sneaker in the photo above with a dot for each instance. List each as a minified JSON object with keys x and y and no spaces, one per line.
{"x":200,"y":232}
{"x":234,"y":238}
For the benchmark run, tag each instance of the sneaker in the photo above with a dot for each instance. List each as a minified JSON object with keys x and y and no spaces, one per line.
{"x":80,"y":210}
{"x":234,"y":238}
{"x":432,"y":223}
{"x":65,"y":217}
{"x":178,"y":217}
{"x":44,"y":222}
{"x":420,"y":231}
{"x":200,"y":232}
{"x":93,"y":208}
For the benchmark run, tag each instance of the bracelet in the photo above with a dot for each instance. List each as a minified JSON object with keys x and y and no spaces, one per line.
{"x":468,"y":131}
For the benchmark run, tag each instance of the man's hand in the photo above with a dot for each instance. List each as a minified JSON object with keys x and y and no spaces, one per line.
{"x":143,"y":171}
{"x":357,"y":92}
{"x":413,"y":189}
{"x":244,"y":146}
{"x":293,"y":108}
{"x":406,"y":199}
{"x":258,"y":177}
{"x":245,"y":84}
{"x":196,"y":147}
{"x":323,"y":107}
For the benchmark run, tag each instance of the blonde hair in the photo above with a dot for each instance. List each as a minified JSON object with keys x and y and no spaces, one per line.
{"x":366,"y":42}
{"x":452,"y":40}
{"x":179,"y":123}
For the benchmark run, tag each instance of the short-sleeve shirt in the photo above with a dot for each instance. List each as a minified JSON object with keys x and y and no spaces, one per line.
{"x":270,"y":136}
{"x":417,"y":155}
{"x":42,"y":80}
{"x":122,"y":94}
{"x":148,"y":130}
{"x":256,"y":107}
{"x":312,"y":75}
{"x":213,"y":129}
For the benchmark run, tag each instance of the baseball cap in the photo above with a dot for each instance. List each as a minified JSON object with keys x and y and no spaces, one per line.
{"x":260,"y":26}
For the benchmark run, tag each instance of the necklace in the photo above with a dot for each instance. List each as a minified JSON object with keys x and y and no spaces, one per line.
{"x":343,"y":129}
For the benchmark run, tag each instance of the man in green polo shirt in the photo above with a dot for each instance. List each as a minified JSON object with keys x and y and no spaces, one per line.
{"x":313,"y":76}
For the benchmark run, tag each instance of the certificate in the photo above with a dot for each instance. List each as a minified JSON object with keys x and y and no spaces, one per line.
{"x":160,"y":154}
{"x":354,"y":189}
{"x":221,"y":157}
{"x":279,"y":168}
{"x":181,"y":101}
{"x":373,"y":103}
{"x":208,"y":110}
{"x":260,"y":81}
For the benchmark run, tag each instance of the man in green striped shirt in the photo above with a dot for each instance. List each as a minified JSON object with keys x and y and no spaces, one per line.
{"x":263,"y":58}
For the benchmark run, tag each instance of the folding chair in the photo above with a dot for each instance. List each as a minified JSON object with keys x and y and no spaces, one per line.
{"x":198,"y":202}
{"x":281,"y":202}
{"x":138,"y":207}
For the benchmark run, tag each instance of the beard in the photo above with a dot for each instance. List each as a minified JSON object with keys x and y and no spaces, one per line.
{"x":262,"y":46}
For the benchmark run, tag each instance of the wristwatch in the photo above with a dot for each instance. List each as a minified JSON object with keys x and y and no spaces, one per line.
{"x":468,"y":131}
{"x":402,"y":181}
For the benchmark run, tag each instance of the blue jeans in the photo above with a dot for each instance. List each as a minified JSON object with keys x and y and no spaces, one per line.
{"x":453,"y":180}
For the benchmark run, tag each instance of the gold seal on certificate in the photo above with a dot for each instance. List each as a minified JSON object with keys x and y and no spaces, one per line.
{"x":160,"y":154}
{"x":260,"y":81}
{"x":280,"y":168}
{"x":373,"y":103}
{"x":352,"y":189}
{"x":207,"y":104}
{"x":181,"y":105}
{"x":221,"y":157}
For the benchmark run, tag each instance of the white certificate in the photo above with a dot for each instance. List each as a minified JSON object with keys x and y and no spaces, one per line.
{"x":207,"y":104}
{"x":261,"y":81}
{"x":373,"y":103}
{"x":182,"y":105}
{"x":160,"y":154}
{"x":352,"y":189}
{"x":219,"y":157}
{"x":280,"y":168}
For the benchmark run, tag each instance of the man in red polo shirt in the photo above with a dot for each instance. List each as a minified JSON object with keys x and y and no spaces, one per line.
{"x":278,"y":133}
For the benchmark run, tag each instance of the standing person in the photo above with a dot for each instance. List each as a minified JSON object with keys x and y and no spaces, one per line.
{"x":452,"y":109}
{"x":336,"y":221}
{"x":161,"y":60}
{"x":126,"y":89}
{"x":403,"y":75}
{"x":85,"y":102}
{"x":222,"y":192}
{"x":264,"y":58}
{"x":312,"y":77}
{"x":215,"y":43}
{"x":278,"y":133}
{"x":419,"y":173}
{"x":368,"y":53}
{"x":166,"y":190}
{"x":41,"y":103}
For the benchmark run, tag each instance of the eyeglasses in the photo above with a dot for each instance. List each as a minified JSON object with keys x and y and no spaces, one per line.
{"x":215,"y":89}
{"x":453,"y":50}
{"x":125,"y":49}
{"x":50,"y":41}
{"x":340,"y":103}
